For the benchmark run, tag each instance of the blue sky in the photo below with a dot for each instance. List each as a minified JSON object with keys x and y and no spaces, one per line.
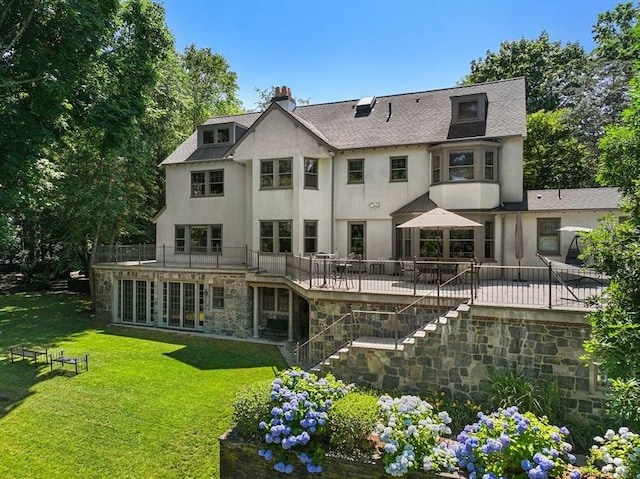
{"x":333,"y":50}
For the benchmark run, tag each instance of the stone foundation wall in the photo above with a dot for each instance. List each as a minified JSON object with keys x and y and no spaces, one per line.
{"x":239,"y":459}
{"x":458,"y":353}
{"x":234,"y":320}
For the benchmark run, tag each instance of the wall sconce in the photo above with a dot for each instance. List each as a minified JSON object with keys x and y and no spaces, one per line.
{"x":374,"y":204}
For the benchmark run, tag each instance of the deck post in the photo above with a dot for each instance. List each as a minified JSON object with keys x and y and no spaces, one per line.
{"x":473,"y":279}
{"x":164,"y":255}
{"x":415,"y":277}
{"x":550,"y":278}
{"x":359,"y":275}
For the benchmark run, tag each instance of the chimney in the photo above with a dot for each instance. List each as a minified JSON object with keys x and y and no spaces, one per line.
{"x":282,"y":96}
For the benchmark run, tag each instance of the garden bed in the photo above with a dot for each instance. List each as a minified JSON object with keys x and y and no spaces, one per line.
{"x":239,"y":458}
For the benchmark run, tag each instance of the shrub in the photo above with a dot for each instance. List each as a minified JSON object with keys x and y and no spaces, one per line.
{"x":250,"y":406}
{"x":624,"y":401}
{"x":353,"y":418}
{"x":409,"y":432}
{"x":512,"y":388}
{"x":618,"y":454}
{"x":297,"y":425}
{"x":508,"y":444}
{"x":461,"y":412}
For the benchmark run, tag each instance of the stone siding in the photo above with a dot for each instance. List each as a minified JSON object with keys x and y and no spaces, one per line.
{"x":234,"y":320}
{"x":458,"y":352}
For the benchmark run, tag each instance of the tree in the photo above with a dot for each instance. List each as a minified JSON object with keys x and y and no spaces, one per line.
{"x":45,"y":48}
{"x":211,"y":85}
{"x":601,"y":92}
{"x":553,"y":156}
{"x":614,"y":249}
{"x":549,"y":68}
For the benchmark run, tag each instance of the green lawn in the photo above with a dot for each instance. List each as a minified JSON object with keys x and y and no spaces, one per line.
{"x":152,"y":404}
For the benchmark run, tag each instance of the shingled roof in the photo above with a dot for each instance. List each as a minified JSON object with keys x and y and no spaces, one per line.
{"x":568,"y":199}
{"x":405,"y":119}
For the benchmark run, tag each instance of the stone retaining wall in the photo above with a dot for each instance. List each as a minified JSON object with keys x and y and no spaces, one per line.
{"x":458,"y":353}
{"x":239,"y":459}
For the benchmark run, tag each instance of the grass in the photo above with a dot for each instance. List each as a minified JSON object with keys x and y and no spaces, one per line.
{"x":152,"y":404}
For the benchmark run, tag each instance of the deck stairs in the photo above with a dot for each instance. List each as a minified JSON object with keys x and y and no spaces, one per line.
{"x":406,"y":346}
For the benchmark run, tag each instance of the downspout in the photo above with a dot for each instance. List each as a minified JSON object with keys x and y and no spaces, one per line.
{"x":502,"y":233}
{"x":333,"y":219}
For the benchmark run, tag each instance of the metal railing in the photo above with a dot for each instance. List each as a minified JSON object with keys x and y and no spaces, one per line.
{"x":549,"y":286}
{"x":395,"y":324}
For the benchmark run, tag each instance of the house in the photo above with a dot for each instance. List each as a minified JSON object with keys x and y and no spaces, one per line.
{"x":260,"y":207}
{"x":339,"y":178}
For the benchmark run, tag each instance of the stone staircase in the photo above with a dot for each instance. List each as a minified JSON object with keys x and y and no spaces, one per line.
{"x":348,"y":359}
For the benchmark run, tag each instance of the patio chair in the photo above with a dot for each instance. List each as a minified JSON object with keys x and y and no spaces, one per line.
{"x":408,"y":270}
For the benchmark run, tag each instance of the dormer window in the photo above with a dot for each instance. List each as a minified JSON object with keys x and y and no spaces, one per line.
{"x":215,"y":135}
{"x":468,"y":108}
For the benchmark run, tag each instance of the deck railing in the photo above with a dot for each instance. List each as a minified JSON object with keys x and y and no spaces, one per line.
{"x":544,"y":286}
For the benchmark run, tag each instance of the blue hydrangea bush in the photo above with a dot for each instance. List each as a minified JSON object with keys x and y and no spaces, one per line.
{"x":617,"y":454}
{"x":297,"y":427}
{"x":410,"y":432}
{"x":508,"y":444}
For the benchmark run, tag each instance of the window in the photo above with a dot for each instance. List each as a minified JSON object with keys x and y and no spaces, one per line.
{"x":399,"y":168}
{"x":217,"y":297}
{"x":310,"y":236}
{"x":275,"y":299}
{"x":435,"y":168}
{"x":275,"y":237}
{"x":461,"y":243}
{"x":357,"y":239}
{"x":197,"y":183}
{"x":355,"y":171}
{"x":275,"y":173}
{"x":183,"y":305}
{"x":207,"y":183}
{"x":431,"y":243}
{"x":476,"y":162}
{"x":283,"y":299}
{"x":199,"y":238}
{"x":310,"y":173}
{"x":549,"y":236}
{"x":461,"y":166}
{"x":468,"y":108}
{"x":489,"y":240}
{"x":215,"y":239}
{"x":134,"y":301}
{"x":489,"y":166}
{"x":215,"y":135}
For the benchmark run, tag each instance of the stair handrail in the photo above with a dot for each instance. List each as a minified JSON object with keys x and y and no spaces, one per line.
{"x":325,"y":328}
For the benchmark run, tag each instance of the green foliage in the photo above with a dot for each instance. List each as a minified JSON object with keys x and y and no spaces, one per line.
{"x":551,"y":70}
{"x":624,"y":401}
{"x":513,"y":388}
{"x":352,"y":419}
{"x":250,"y":406}
{"x":461,"y":412}
{"x":614,"y":343}
{"x":553,"y":156}
{"x":211,"y":86}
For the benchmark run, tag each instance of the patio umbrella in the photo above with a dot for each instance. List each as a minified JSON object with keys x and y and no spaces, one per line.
{"x":439,"y":218}
{"x":519,"y":246}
